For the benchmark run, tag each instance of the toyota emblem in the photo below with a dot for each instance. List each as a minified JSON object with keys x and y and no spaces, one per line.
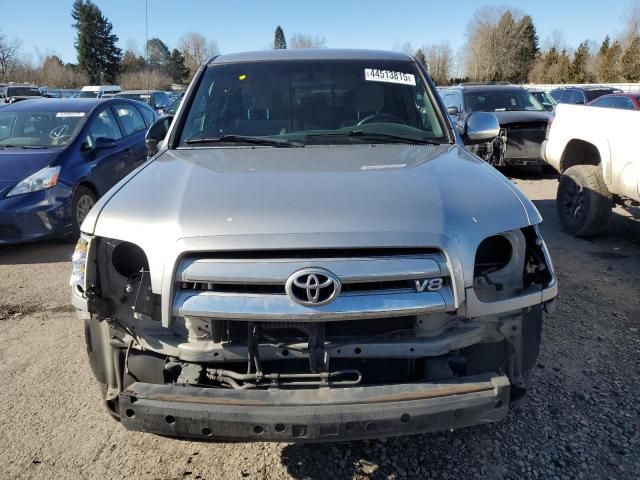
{"x":313,"y":287}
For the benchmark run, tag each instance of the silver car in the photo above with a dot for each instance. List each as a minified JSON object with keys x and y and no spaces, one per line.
{"x":312,"y":255}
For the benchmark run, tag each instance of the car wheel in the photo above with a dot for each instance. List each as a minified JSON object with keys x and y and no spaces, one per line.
{"x":583,"y":201}
{"x":83,"y":201}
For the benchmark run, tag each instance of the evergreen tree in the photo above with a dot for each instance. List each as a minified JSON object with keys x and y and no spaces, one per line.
{"x":579,"y":66}
{"x":421,"y":57}
{"x":550,"y":61}
{"x":279,"y":42}
{"x":528,"y":49}
{"x":563,"y":68}
{"x":98,"y":55}
{"x":631,"y":61}
{"x":158,"y":55}
{"x":131,"y":62}
{"x":608,"y":66}
{"x":177,"y":68}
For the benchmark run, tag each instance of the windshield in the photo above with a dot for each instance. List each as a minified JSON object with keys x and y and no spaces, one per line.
{"x":313,"y":101}
{"x":544,"y":97}
{"x":23,"y":92}
{"x":141,"y":97}
{"x":39,"y":128}
{"x":88,"y":94}
{"x":511,"y":100}
{"x":593,"y":94}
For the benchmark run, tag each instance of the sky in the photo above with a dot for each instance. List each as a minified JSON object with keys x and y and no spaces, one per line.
{"x":44,"y":26}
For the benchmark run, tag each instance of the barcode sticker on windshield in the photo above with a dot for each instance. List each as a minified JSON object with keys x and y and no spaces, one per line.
{"x":69,"y":114}
{"x":387,"y":76}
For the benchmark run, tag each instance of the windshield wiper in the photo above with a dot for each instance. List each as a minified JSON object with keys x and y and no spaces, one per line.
{"x":274,"y":142}
{"x":363,"y":134}
{"x":22,"y":146}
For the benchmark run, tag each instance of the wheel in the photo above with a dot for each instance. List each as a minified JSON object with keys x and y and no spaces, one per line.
{"x":82,"y":202}
{"x":583,"y":201}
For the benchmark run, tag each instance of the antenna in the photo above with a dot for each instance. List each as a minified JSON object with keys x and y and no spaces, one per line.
{"x":146,"y":39}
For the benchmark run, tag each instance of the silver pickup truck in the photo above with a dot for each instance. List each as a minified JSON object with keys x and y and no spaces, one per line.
{"x":312,"y":255}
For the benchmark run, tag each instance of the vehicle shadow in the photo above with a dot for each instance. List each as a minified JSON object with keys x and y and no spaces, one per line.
{"x":49,"y":251}
{"x":622,"y":228}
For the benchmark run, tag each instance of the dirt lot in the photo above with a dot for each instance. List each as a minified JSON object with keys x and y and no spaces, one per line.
{"x":581,"y":419}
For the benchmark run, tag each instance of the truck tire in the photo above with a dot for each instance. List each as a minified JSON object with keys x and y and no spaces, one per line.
{"x":583,"y":201}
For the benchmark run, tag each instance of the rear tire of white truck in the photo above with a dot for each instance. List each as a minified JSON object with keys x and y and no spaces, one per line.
{"x":583,"y":201}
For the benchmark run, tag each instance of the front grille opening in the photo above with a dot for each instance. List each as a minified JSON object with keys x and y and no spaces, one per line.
{"x":238,"y":332}
{"x":261,"y":289}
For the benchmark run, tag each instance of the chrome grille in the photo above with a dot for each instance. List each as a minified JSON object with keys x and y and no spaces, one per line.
{"x":375,"y":284}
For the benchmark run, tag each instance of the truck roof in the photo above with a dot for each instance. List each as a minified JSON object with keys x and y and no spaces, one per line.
{"x":309,"y":54}
{"x":98,"y":88}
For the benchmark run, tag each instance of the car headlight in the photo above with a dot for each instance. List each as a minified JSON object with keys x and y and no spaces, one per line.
{"x":79,"y":263}
{"x":45,"y":178}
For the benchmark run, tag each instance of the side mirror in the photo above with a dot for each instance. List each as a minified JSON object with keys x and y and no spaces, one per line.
{"x":160,"y":106}
{"x":104,"y":143}
{"x":453,"y":110}
{"x":548,"y":107}
{"x":481,"y":127}
{"x":156,"y":133}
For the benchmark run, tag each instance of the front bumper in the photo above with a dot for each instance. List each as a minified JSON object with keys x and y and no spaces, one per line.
{"x":34,"y":216}
{"x":318,"y":415}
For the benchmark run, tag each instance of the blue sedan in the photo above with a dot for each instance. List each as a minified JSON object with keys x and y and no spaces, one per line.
{"x":58,"y":156}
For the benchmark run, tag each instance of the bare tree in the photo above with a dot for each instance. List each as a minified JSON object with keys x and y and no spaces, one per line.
{"x":197,"y":50}
{"x":405,"y":47}
{"x":632,"y":25}
{"x":501,"y":45}
{"x":142,"y":80}
{"x":8,"y":55}
{"x":301,"y":40}
{"x":439,"y":62}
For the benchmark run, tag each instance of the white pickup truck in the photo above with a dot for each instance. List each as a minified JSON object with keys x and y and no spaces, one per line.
{"x":596,"y":151}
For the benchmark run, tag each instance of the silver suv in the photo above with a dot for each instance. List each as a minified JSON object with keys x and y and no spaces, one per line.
{"x":312,"y":255}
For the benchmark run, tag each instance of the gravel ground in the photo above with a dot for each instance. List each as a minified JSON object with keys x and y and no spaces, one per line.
{"x":580,"y":419}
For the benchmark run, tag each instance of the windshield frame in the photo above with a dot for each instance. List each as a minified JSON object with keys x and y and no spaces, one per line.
{"x":176,"y":129}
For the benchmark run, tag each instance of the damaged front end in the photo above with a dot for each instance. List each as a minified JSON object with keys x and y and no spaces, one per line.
{"x":518,"y":144}
{"x":313,"y":345}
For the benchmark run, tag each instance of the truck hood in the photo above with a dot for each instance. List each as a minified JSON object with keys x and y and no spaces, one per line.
{"x":314,"y":197}
{"x":509,"y":118}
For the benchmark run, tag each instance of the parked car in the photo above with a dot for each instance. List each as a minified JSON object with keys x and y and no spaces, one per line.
{"x":622,"y":101}
{"x":312,"y":255}
{"x":544,"y":98}
{"x":16,"y":93}
{"x":58,"y":156}
{"x":98,"y":91}
{"x":580,"y":95}
{"x":523,"y":121}
{"x":157,"y":100}
{"x":597,"y":154}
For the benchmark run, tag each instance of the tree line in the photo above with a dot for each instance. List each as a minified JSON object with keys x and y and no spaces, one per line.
{"x":101,"y":61}
{"x":501,"y":44}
